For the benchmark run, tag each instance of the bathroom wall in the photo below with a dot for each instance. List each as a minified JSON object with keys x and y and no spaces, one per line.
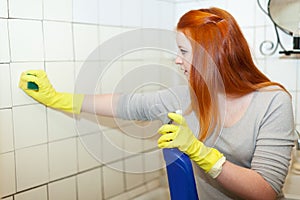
{"x":257,"y":27}
{"x":49,"y":155}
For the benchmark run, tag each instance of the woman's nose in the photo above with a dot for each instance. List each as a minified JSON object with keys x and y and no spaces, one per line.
{"x":178,"y":60}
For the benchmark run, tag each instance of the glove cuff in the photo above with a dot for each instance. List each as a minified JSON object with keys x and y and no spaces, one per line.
{"x":215,"y":171}
{"x":68,"y":102}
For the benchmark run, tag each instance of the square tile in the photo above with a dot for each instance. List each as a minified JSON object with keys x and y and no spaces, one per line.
{"x":108,"y":32}
{"x":64,"y":189}
{"x":110,"y":12}
{"x":6,"y":132}
{"x":27,"y":46}
{"x":19,"y":97}
{"x":30,"y":126}
{"x":61,"y":75}
{"x":30,"y":9}
{"x":4,"y":41}
{"x":56,"y":36}
{"x":3,"y":9}
{"x":112,"y":145}
{"x":89,"y":151}
{"x":60,"y":125}
{"x":153,"y":163}
{"x":32,"y":166}
{"x":85,"y":41}
{"x":85,"y":11}
{"x":62,"y":158}
{"x":286,"y":75}
{"x":150,"y":14}
{"x":89,"y":185}
{"x":39,"y":193}
{"x":58,"y":10}
{"x":113,"y":180}
{"x":5,"y":86}
{"x":7,"y":174}
{"x":131,"y":13}
{"x":244,"y":12}
{"x":166,"y":13}
{"x":134,"y":172}
{"x":111,"y":77}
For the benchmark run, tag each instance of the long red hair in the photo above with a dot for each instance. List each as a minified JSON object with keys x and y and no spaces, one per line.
{"x":217,"y":42}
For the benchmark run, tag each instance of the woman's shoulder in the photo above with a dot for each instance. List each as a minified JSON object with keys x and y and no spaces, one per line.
{"x":274,"y":93}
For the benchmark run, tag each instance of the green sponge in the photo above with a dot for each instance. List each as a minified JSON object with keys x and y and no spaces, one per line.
{"x":32,"y":86}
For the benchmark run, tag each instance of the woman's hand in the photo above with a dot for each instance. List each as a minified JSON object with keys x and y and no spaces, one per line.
{"x":47,"y":95}
{"x":180,"y":135}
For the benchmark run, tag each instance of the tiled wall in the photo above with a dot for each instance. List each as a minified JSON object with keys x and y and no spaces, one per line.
{"x":257,"y":27}
{"x":41,"y":155}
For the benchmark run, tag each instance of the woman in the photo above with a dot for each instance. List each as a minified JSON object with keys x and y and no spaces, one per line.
{"x":250,"y":157}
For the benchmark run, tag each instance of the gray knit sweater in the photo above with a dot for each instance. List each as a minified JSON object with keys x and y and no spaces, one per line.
{"x":261,"y":140}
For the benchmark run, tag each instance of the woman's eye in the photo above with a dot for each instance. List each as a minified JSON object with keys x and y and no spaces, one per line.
{"x":183,"y":51}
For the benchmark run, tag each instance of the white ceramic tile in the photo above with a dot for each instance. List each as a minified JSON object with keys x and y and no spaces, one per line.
{"x":133,"y":138}
{"x":150,"y":14}
{"x":112,"y":145}
{"x":86,"y":124}
{"x":5,"y":86}
{"x":113,"y":180}
{"x":58,"y":10}
{"x":153,"y":161}
{"x":32,"y":166}
{"x":259,"y":36}
{"x":111,"y":77}
{"x":89,"y":151}
{"x":249,"y":36}
{"x":110,"y":12}
{"x":283,"y":71}
{"x":243,"y":12}
{"x":131,"y":13}
{"x":7,"y":174}
{"x":297,"y":110}
{"x":62,"y":158}
{"x":31,"y":9}
{"x":85,"y":11}
{"x":85,"y":41}
{"x":134,"y":172}
{"x":89,"y":185}
{"x":260,"y":16}
{"x":61,"y":75}
{"x":4,"y":47}
{"x":167,"y":14}
{"x":58,"y":41}
{"x":60,"y":125}
{"x":3,"y":9}
{"x":64,"y":189}
{"x":19,"y":97}
{"x":39,"y":193}
{"x":27,"y":46}
{"x":6,"y":131}
{"x":108,"y":32}
{"x":30,"y":126}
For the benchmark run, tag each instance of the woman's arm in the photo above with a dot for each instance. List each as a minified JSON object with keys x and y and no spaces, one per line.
{"x":245,"y":183}
{"x":100,"y":104}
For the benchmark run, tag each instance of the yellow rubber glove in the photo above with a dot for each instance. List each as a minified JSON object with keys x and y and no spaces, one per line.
{"x":47,"y":95}
{"x":179,"y":135}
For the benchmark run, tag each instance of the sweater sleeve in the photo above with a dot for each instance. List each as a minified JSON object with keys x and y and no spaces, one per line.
{"x":153,"y":105}
{"x":274,"y":141}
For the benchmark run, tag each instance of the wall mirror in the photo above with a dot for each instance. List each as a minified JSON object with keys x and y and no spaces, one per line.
{"x":285,"y":14}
